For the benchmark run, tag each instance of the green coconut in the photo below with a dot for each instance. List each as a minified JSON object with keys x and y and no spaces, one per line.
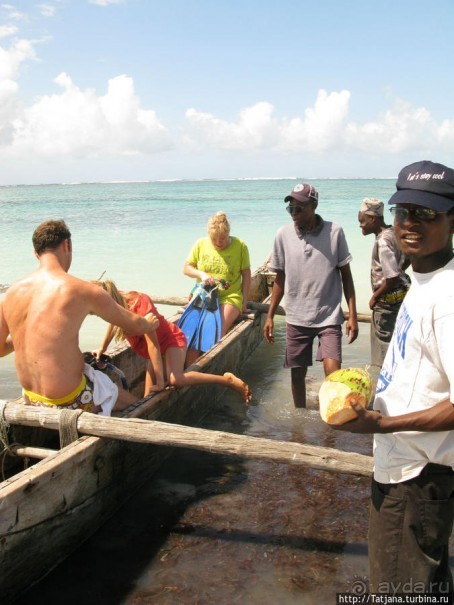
{"x":339,"y":390}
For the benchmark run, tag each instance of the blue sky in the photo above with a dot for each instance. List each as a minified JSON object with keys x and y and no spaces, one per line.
{"x":107,"y":90}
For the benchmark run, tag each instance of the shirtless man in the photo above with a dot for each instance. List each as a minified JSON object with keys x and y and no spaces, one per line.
{"x":40,"y":319}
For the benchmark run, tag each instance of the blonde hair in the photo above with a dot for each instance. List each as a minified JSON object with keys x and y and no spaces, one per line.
{"x":218,"y":224}
{"x":111,"y":289}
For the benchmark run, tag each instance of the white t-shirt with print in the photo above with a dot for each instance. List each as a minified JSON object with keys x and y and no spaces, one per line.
{"x":417,"y":373}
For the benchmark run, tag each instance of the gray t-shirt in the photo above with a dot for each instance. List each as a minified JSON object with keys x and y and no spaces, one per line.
{"x":387,"y":260}
{"x":311,"y":262}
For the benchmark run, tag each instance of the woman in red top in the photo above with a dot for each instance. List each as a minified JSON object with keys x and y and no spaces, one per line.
{"x":165,"y":349}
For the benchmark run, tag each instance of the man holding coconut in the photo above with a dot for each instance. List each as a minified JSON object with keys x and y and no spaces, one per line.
{"x":412,"y":502}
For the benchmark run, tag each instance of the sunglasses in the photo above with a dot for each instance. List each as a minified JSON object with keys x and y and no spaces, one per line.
{"x":422,"y":214}
{"x":298,"y":208}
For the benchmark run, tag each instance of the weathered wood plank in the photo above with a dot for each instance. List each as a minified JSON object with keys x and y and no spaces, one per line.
{"x":173,"y":301}
{"x":47,"y":510}
{"x":255,"y":306}
{"x":163,"y":433}
{"x":31,"y":452}
{"x":182,"y":302}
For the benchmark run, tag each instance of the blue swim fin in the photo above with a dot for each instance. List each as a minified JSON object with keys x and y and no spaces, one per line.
{"x":209,"y":326}
{"x":189,"y":321}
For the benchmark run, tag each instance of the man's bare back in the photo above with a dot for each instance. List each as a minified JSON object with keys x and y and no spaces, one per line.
{"x":43,"y":313}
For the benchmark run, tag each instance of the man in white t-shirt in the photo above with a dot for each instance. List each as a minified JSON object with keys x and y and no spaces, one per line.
{"x":412,"y":504}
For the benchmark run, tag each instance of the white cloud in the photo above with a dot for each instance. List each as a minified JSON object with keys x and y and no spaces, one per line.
{"x":10,"y":62}
{"x":47,"y":10}
{"x":319,"y":129}
{"x":255,"y":128}
{"x":80,"y":123}
{"x":401,"y":128}
{"x":445,"y":135}
{"x":106,"y":2}
{"x":72,"y":121}
{"x":324,"y":127}
{"x":12,"y":58}
{"x":8,"y":30}
{"x":8,"y":110}
{"x":12,"y":12}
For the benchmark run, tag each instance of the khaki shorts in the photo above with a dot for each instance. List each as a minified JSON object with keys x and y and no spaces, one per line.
{"x":298,"y":353}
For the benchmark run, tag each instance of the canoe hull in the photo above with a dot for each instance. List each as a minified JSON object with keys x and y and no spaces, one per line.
{"x":48,"y":510}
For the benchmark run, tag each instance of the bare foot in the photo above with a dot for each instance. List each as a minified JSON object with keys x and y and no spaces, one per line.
{"x":240,"y":386}
{"x":156,"y":388}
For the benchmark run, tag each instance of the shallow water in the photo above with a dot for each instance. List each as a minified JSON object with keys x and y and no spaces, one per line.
{"x":218,"y":529}
{"x":124,"y":229}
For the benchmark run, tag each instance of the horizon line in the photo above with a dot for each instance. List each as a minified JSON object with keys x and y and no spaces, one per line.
{"x":203,"y":179}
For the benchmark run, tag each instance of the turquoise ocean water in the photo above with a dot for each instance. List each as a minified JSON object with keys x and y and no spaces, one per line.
{"x":140,"y":233}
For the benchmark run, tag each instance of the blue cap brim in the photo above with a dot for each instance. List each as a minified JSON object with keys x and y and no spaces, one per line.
{"x":422,"y":198}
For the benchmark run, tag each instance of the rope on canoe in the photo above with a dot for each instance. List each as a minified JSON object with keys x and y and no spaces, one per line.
{"x":4,"y":440}
{"x":68,"y":426}
{"x":4,"y":426}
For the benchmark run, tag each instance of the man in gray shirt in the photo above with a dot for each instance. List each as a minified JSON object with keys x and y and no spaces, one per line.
{"x":388,"y":278}
{"x":312,"y":264}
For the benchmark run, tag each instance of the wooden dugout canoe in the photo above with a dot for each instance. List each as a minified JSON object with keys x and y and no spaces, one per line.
{"x":49,"y":509}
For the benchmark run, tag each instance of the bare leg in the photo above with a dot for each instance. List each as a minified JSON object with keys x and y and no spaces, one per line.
{"x":191,"y":356}
{"x":124,"y":399}
{"x":177,"y":377}
{"x":150,"y":378}
{"x":238,"y":385}
{"x":298,"y":378}
{"x":229,"y":314}
{"x":330,"y":365}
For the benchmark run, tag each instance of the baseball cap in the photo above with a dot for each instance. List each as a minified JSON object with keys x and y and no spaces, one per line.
{"x":425,"y":184}
{"x":303,"y":193}
{"x":372,"y":206}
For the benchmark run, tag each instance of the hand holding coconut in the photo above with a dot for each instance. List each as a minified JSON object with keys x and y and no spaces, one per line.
{"x":343,"y":396}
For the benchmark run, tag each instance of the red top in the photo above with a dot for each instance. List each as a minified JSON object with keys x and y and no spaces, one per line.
{"x":169,"y":335}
